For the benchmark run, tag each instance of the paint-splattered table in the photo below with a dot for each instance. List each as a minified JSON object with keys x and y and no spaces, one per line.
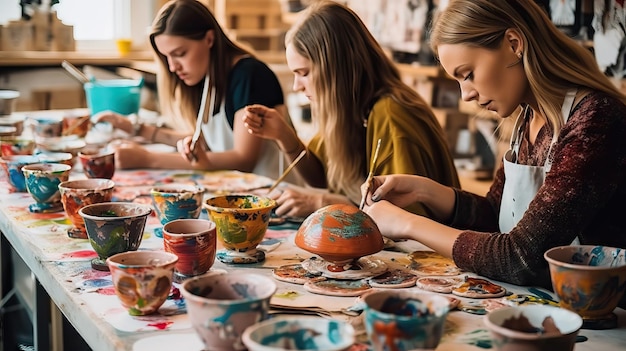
{"x":86,"y":297}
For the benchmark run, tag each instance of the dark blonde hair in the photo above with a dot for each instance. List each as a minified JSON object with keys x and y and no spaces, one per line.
{"x":349,"y":73}
{"x":553,"y":62}
{"x":191,"y":19}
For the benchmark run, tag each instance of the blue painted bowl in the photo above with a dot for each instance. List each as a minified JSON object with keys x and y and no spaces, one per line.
{"x":176,"y":201}
{"x":221,"y":306}
{"x":12,"y":170}
{"x":404,"y":320}
{"x":42,"y":182}
{"x":299,"y":333}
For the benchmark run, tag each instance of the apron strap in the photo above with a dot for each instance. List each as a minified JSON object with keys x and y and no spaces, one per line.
{"x":566,"y":108}
{"x":516,"y":134}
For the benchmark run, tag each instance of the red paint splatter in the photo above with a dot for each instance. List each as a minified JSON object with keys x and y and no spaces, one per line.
{"x":106,"y":291}
{"x":175,"y":294}
{"x":80,"y":254}
{"x":160,"y":325}
{"x":91,"y":274}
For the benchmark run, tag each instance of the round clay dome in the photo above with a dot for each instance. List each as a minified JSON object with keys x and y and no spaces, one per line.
{"x":339,"y":233}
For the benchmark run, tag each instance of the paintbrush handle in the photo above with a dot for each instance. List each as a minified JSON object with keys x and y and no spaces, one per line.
{"x":286,"y":172}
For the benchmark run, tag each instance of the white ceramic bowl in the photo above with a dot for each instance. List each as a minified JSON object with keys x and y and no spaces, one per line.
{"x":299,"y":333}
{"x":506,"y":339}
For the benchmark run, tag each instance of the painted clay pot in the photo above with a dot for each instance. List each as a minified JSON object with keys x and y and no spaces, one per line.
{"x":221,"y":306}
{"x":589,"y":280}
{"x":404,"y":319}
{"x":76,"y":194}
{"x":339,"y":234}
{"x":97,"y":163}
{"x":176,"y":201}
{"x":194,"y":242}
{"x":42,"y":182}
{"x":13,"y":145}
{"x":142,"y":279}
{"x":12,"y":170}
{"x":114,"y":227}
{"x":505,"y":325}
{"x":241,"y":221}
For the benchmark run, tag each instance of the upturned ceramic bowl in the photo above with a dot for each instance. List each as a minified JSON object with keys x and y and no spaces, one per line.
{"x":222,"y":305}
{"x":526,"y":328}
{"x":12,"y":170}
{"x":142,"y":279}
{"x":42,"y":182}
{"x":299,"y":333}
{"x":78,"y":193}
{"x":404,"y":319}
{"x":339,"y":234}
{"x":176,"y":201}
{"x":241,"y":220}
{"x":589,"y":280}
{"x":114,"y":227}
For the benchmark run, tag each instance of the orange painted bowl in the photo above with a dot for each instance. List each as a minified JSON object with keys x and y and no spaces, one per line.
{"x":339,"y":234}
{"x":589,"y":280}
{"x":241,"y":220}
{"x":78,"y":193}
{"x":142,"y":279}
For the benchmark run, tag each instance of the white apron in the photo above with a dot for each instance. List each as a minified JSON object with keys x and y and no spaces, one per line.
{"x":220,"y":137}
{"x":522,"y":181}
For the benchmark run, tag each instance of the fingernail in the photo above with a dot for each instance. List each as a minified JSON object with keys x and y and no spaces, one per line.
{"x":375,"y":197}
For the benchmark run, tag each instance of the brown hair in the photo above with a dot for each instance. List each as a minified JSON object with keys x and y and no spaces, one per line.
{"x":191,"y":19}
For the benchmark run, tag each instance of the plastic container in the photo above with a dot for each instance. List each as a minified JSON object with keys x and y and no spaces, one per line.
{"x":118,"y":95}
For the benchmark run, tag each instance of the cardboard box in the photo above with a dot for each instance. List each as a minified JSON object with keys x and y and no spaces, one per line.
{"x":17,"y":36}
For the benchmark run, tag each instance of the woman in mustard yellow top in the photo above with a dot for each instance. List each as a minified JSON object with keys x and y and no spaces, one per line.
{"x":357,"y":97}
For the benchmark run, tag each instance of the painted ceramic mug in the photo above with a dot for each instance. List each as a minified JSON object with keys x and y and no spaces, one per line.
{"x":97,"y":164}
{"x":114,"y":227}
{"x":221,"y":306}
{"x":42,"y":182}
{"x":193,"y":241}
{"x":176,"y":201}
{"x":241,"y":221}
{"x":76,"y":194}
{"x":404,"y":320}
{"x":142,"y":279}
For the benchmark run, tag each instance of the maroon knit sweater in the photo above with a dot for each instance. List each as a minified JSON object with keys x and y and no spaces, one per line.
{"x":583,"y":195}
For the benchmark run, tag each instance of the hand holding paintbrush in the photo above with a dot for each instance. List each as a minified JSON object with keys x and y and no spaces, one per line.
{"x":368,"y":180}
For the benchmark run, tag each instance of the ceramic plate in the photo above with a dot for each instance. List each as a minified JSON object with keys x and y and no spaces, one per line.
{"x":394,"y":279}
{"x":295,"y":273}
{"x":367,"y":267}
{"x":427,"y":263}
{"x":336,"y":287}
{"x":438,"y":284}
{"x":478,"y":288}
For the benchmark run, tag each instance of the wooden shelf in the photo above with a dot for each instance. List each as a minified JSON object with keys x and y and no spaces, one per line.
{"x":54,"y":58}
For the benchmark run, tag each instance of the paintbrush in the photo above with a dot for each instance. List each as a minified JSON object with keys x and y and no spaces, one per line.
{"x":286,"y":172}
{"x":368,"y":180}
{"x":202,"y":113}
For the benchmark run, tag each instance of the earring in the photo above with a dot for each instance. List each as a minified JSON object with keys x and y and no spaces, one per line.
{"x":519,"y":55}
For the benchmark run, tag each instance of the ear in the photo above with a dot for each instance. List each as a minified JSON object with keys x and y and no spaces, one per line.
{"x":209,"y":37}
{"x":514,"y":40}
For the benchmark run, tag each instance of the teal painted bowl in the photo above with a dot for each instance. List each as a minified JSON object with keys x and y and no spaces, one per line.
{"x":42,"y":182}
{"x":299,"y":333}
{"x":404,"y":320}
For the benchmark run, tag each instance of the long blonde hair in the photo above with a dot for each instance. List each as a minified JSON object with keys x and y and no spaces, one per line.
{"x":553,"y":62}
{"x":349,"y":72}
{"x":191,"y":19}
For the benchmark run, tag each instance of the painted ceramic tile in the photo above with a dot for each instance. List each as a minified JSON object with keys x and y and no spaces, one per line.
{"x":479,"y":288}
{"x":365,"y":267}
{"x":427,"y":263}
{"x":394,"y":279}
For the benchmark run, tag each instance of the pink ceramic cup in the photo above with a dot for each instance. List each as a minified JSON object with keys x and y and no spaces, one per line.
{"x":194,"y":242}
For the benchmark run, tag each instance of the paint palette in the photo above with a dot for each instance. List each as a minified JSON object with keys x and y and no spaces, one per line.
{"x":364,"y":267}
{"x":396,"y":278}
{"x":295,"y":273}
{"x":228,"y":182}
{"x":443,"y":285}
{"x":478,"y":288}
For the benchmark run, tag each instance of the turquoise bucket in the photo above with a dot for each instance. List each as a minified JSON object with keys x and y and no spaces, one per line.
{"x":117,"y":95}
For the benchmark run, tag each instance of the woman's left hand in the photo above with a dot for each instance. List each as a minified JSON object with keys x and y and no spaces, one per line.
{"x":296,"y":201}
{"x":130,"y":155}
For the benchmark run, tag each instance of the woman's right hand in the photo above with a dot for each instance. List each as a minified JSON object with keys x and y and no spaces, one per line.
{"x":117,"y":120}
{"x":399,"y":189}
{"x":264,"y":122}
